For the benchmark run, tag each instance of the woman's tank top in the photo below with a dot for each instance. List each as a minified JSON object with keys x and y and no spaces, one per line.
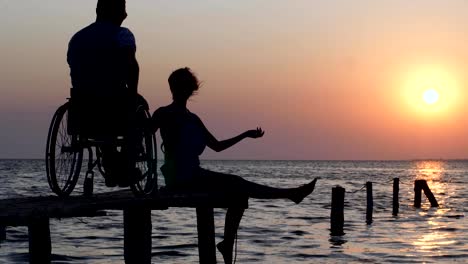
{"x":184,"y":141}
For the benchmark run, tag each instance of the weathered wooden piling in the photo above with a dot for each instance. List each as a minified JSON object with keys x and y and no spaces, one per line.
{"x":421,"y":185}
{"x":40,"y":249}
{"x":337,"y":211}
{"x":2,"y":232}
{"x":88,"y":184}
{"x":396,"y":200}
{"x":206,"y":235}
{"x":370,"y":203}
{"x":417,"y":194}
{"x":137,"y":236}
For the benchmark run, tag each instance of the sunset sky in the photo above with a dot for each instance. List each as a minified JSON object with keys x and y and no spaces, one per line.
{"x":325,"y":79}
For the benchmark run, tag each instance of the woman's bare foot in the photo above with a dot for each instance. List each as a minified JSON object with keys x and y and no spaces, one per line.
{"x":301,"y":192}
{"x":226,"y":251}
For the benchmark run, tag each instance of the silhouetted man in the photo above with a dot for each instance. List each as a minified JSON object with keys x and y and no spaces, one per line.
{"x":102,"y":55}
{"x":103,"y":65}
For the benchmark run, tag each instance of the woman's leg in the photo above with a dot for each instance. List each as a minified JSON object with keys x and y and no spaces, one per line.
{"x":233,"y":218}
{"x":296,"y":194}
{"x":238,"y":185}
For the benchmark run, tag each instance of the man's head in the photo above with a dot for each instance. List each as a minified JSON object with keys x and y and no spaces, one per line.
{"x":183,"y":84}
{"x":111,"y":10}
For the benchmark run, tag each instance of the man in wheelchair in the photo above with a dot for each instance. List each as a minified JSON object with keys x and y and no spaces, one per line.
{"x":104,"y":74}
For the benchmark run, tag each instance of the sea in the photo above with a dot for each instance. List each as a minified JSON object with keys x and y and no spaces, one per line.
{"x":276,"y":231}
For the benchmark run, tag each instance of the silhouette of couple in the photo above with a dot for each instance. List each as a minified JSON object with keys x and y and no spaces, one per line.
{"x":102,"y":58}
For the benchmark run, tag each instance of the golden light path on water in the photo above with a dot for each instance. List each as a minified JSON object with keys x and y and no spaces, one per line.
{"x":439,"y":234}
{"x":277,"y":231}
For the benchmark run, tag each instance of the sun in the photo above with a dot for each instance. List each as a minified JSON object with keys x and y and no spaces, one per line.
{"x":431,"y":92}
{"x":431,"y":96}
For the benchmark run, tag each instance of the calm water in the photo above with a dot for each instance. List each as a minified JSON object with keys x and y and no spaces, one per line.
{"x":277,"y":231}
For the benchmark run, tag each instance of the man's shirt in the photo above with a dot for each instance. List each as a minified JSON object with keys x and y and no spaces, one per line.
{"x":96,"y":58}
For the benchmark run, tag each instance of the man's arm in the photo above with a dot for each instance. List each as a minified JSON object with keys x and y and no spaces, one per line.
{"x":127,"y":45}
{"x":132,"y":68}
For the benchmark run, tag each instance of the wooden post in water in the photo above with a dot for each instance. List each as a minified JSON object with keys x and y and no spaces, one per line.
{"x":429,"y":194}
{"x":370,"y":203}
{"x":88,"y":184}
{"x":2,"y":233}
{"x":137,"y":236}
{"x":421,"y":185}
{"x":206,"y":235}
{"x":417,"y":194}
{"x":337,"y":211}
{"x":40,"y":248}
{"x":396,"y":200}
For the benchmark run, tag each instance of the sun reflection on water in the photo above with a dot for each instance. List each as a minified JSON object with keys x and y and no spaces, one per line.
{"x":431,"y":242}
{"x":434,"y":173}
{"x":430,"y":170}
{"x":439,"y":234}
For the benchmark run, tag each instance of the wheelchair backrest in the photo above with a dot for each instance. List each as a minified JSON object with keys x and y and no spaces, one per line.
{"x":95,"y":114}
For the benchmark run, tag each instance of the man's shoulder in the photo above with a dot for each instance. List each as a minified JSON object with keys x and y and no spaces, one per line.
{"x":126,"y":31}
{"x":126,"y":38}
{"x":86,"y":30}
{"x":78,"y":35}
{"x":104,"y":30}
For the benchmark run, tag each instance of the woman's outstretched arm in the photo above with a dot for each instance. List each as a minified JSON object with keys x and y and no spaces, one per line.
{"x":218,"y":146}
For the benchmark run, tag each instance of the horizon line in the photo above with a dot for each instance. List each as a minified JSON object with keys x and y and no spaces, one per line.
{"x":325,"y":160}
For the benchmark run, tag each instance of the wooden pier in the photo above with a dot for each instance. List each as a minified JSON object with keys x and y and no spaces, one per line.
{"x":35,"y":213}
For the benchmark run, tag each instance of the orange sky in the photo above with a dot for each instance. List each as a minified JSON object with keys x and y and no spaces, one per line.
{"x":334,"y":80}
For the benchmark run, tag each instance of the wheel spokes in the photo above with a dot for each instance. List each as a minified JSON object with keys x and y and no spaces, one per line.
{"x":63,"y":158}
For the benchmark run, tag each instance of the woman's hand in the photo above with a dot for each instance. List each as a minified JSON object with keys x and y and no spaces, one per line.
{"x":255,"y":133}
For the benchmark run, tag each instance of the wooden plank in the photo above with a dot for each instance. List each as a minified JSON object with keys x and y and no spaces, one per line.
{"x":20,"y":211}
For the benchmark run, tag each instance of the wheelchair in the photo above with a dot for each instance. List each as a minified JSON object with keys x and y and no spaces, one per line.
{"x":89,"y":121}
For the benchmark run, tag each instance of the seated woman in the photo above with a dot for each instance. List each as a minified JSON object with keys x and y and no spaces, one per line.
{"x":184,"y":138}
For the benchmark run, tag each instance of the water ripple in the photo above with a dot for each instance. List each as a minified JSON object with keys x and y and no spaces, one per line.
{"x":276,"y":231}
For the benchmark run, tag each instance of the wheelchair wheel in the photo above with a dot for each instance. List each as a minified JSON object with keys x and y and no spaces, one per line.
{"x":146,"y":156}
{"x":63,"y":156}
